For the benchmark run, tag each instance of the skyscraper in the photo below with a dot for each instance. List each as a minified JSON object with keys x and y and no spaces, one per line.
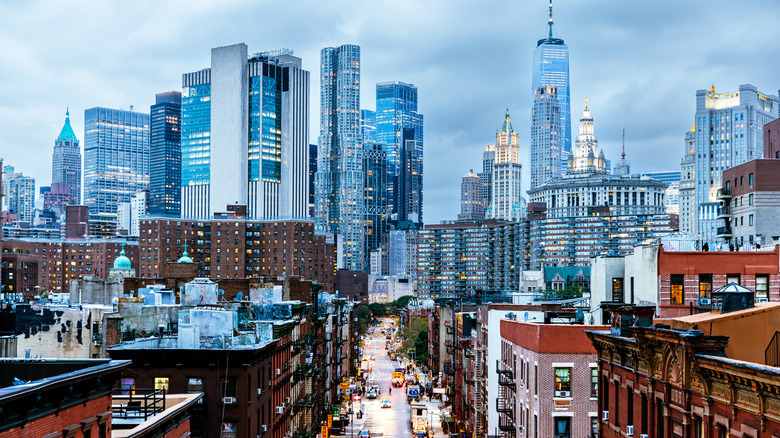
{"x":165,"y":155}
{"x":471,"y":207}
{"x":506,"y":193}
{"x":339,"y":201}
{"x":66,"y":165}
{"x":245,"y":135}
{"x":116,"y":159}
{"x":18,"y":194}
{"x":486,"y":177}
{"x":728,"y":131}
{"x":312,"y":177}
{"x":546,"y":138}
{"x":368,"y":126}
{"x":375,"y":198}
{"x":551,"y":69}
{"x":408,"y":190}
{"x":396,"y":110}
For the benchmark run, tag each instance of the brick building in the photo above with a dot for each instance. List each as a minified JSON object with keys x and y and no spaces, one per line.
{"x":547,"y":383}
{"x":661,"y":381}
{"x":234,"y":247}
{"x":19,"y":274}
{"x":772,"y":139}
{"x":59,"y":260}
{"x":750,"y":204}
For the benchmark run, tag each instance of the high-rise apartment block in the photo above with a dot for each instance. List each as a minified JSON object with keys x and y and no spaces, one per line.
{"x":546,"y":140}
{"x":551,"y":69}
{"x":245,"y":135}
{"x":728,"y":131}
{"x":397,"y":124}
{"x":471,"y":207}
{"x":66,"y":166}
{"x":165,"y":155}
{"x":116,"y":159}
{"x":506,"y":192}
{"x":18,"y":194}
{"x":339,"y":200}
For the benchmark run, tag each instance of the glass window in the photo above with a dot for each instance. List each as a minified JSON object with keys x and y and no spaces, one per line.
{"x":750,"y":199}
{"x":127,"y":384}
{"x":161,"y":383}
{"x":194,"y":384}
{"x":750,"y":220}
{"x":562,"y":382}
{"x":594,"y":427}
{"x":677,"y":289}
{"x":562,"y":427}
{"x":750,"y":177}
{"x":228,"y":386}
{"x":705,"y":285}
{"x":594,"y":382}
{"x":732,"y":278}
{"x":762,"y":286}
{"x":617,"y":290}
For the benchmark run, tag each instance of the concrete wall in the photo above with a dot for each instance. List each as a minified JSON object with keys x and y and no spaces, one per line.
{"x":59,"y":331}
{"x":602,"y":271}
{"x":91,"y":290}
{"x":642,"y":266}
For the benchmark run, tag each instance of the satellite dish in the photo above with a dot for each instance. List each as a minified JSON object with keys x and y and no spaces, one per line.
{"x":239,"y":296}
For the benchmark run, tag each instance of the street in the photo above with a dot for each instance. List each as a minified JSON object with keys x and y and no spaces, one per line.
{"x":393,"y":421}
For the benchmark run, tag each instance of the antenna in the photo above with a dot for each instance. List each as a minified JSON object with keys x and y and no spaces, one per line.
{"x":550,"y":22}
{"x":623,"y":155}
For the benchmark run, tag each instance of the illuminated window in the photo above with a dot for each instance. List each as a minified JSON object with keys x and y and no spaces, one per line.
{"x":161,"y":383}
{"x":562,"y":381}
{"x":677,"y":289}
{"x":762,"y":286}
{"x":705,"y":285}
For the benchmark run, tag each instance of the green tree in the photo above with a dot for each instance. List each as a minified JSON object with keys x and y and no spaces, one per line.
{"x":364,"y":317}
{"x":411,"y":333}
{"x":421,"y":347}
{"x":378,"y":310}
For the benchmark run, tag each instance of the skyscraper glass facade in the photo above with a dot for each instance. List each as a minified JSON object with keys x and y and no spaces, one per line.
{"x":165,"y":155}
{"x":116,"y":158}
{"x":196,"y":133}
{"x":545,"y":137}
{"x":265,"y":126}
{"x":66,"y":163}
{"x":368,"y":126}
{"x":375,"y":199}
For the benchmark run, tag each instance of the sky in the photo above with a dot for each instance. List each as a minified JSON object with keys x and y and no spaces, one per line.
{"x":638,"y":63}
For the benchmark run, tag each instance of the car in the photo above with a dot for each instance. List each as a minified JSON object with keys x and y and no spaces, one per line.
{"x":364,"y":434}
{"x":371,"y":394}
{"x":386,"y":403}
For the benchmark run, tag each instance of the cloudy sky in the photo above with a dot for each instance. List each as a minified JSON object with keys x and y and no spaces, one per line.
{"x":639,"y":63}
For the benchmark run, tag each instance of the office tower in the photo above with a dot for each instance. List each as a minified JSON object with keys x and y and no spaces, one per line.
{"x":116,"y":159}
{"x":245,"y":135}
{"x":18,"y":194}
{"x":546,"y":141}
{"x":551,"y":69}
{"x":66,"y":165}
{"x":688,"y":184}
{"x":471,"y":207}
{"x":506,"y":194}
{"x":375,"y":198}
{"x":339,"y":200}
{"x":312,"y":177}
{"x":672,"y":192}
{"x":728,"y":130}
{"x":165,"y":155}
{"x":586,"y":157}
{"x":396,"y":110}
{"x":408,"y":189}
{"x":368,"y":126}
{"x":486,"y":177}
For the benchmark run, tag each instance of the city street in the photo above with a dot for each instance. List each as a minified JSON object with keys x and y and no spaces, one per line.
{"x":393,"y":421}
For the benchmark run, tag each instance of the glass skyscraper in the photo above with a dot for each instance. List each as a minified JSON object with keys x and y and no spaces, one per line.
{"x":368,"y":126}
{"x":116,"y":159}
{"x":375,"y":198}
{"x":546,"y":141}
{"x":396,"y":110}
{"x":165,"y":155}
{"x":551,"y":68}
{"x":340,"y":182}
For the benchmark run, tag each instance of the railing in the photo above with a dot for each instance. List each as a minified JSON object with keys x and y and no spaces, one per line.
{"x":505,"y":377}
{"x":723,"y":231}
{"x":139,"y":403}
{"x":772,"y":352}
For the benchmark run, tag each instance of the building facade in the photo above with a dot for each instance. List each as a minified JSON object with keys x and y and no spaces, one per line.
{"x":66,"y":165}
{"x":728,"y":131}
{"x":18,"y":194}
{"x":551,"y":71}
{"x":471,"y":206}
{"x":116,"y":159}
{"x":376,"y":206}
{"x":339,"y":203}
{"x":255,"y":110}
{"x":750,"y":204}
{"x":165,"y":155}
{"x":688,"y":185}
{"x":672,"y":194}
{"x":505,"y":201}
{"x":546,"y":136}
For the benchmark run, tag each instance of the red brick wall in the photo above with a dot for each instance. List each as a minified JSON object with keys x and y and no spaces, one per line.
{"x":72,"y":416}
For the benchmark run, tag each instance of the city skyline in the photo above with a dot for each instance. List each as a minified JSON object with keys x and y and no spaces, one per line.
{"x":654,"y":64}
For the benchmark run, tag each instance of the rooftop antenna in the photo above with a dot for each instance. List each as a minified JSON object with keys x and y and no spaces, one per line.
{"x":623,"y":155}
{"x":550,"y":23}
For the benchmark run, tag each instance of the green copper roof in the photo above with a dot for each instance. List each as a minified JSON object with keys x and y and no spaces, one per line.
{"x":67,"y":132}
{"x":122,"y":262}
{"x":507,"y":126}
{"x":185,"y":258}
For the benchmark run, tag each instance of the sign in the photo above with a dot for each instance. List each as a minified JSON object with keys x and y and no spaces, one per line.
{"x":336,"y":412}
{"x":439,"y":390}
{"x":356,"y":398}
{"x":330,"y":421}
{"x":414,"y":392}
{"x":562,"y":403}
{"x":324,"y":431}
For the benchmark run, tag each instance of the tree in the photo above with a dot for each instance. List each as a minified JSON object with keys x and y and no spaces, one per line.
{"x":411,"y":333}
{"x":377,"y":309}
{"x":363,"y":316}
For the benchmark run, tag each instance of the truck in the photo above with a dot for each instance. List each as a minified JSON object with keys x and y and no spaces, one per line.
{"x":418,"y":413}
{"x":398,"y":377}
{"x":412,"y":393}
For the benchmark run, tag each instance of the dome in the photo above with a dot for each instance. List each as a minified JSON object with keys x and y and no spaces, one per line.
{"x":122,"y":262}
{"x":185,"y":258}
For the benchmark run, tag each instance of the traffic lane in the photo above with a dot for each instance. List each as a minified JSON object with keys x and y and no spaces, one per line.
{"x":394,"y":421}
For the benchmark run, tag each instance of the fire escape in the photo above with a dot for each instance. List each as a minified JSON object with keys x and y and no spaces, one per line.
{"x":505,"y":403}
{"x":480,"y":393}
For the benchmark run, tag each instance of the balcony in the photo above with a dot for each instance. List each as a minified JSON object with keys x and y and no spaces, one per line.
{"x":503,"y":407}
{"x":724,"y":193}
{"x":724,"y":212}
{"x":724,"y":232}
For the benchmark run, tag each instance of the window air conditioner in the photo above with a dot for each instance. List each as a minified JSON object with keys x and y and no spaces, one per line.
{"x":228,"y":400}
{"x":562,"y":393}
{"x":259,"y":391}
{"x":278,"y":372}
{"x":629,"y":430}
{"x":279,"y":409}
{"x":265,"y":428}
{"x":288,"y":400}
{"x":605,"y":415}
{"x":644,"y":435}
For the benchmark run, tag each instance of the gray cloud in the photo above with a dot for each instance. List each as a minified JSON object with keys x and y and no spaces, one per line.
{"x":639,"y":63}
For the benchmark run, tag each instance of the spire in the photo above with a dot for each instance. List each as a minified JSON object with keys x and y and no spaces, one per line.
{"x":507,"y":126}
{"x":623,"y":155}
{"x":67,"y":131}
{"x":550,"y":23}
{"x":713,"y":88}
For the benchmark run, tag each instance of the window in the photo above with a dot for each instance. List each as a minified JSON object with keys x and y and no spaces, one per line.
{"x":228,"y":386}
{"x":562,"y":427}
{"x":594,"y":382}
{"x":750,"y":220}
{"x":594,"y":427}
{"x":194,"y":384}
{"x":677,"y":289}
{"x":705,"y":285}
{"x":762,"y":286}
{"x":750,"y":199}
{"x":161,"y":383}
{"x":617,"y":290}
{"x":562,"y":382}
{"x":750,"y":179}
{"x":127,"y":384}
{"x":698,"y":429}
{"x":732,"y":278}
{"x":630,"y":407}
{"x":228,"y":430}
